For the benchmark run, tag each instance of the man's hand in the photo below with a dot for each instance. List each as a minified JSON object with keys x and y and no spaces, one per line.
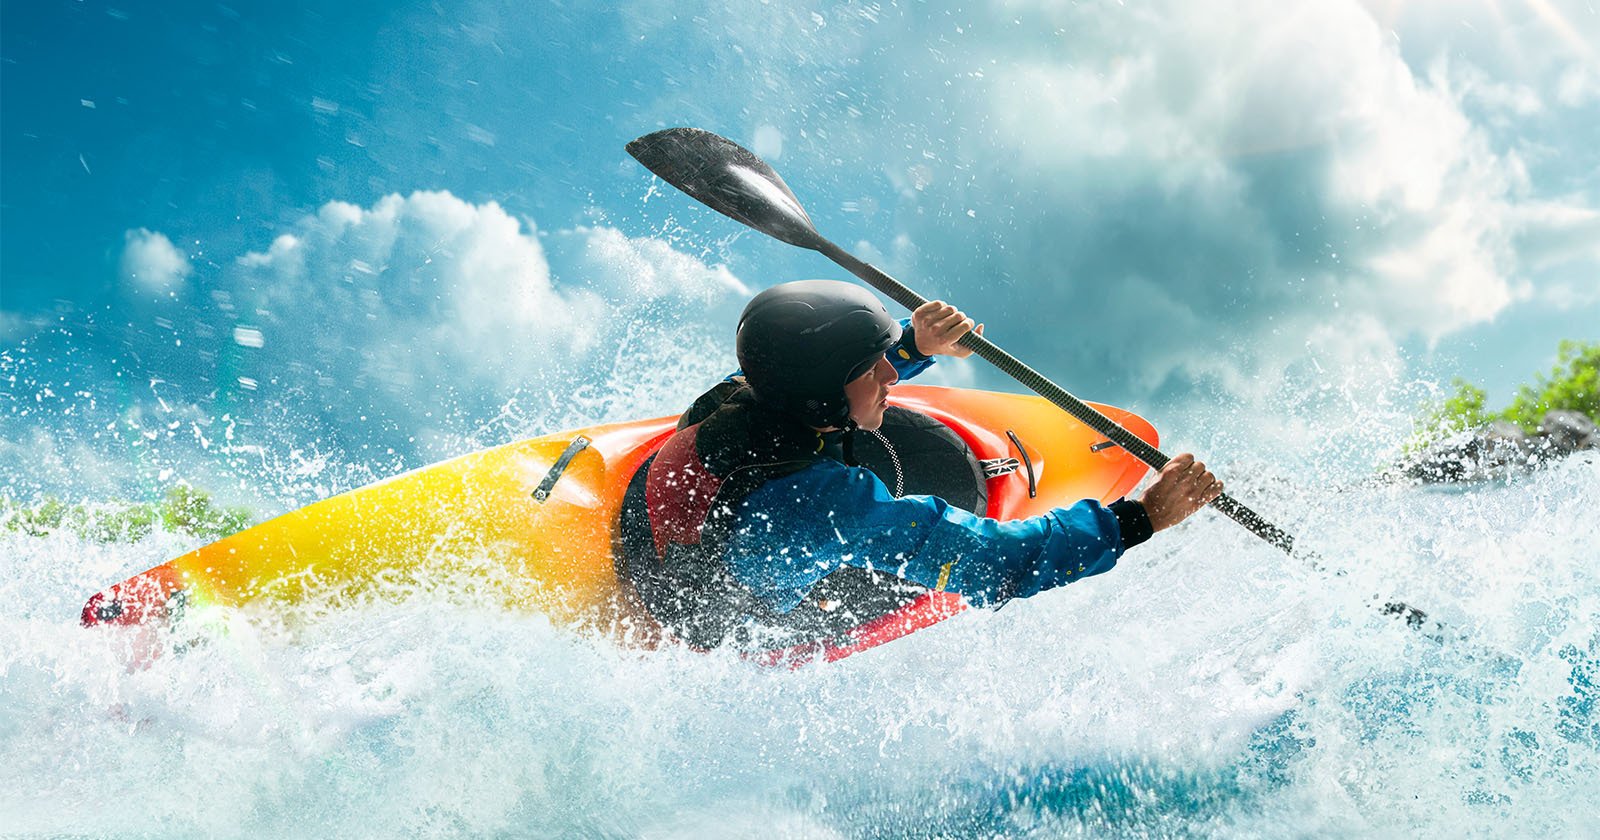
{"x":1183,"y":487}
{"x":938,"y":326}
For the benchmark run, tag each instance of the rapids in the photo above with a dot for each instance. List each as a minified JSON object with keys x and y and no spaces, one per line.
{"x":1208,"y":686}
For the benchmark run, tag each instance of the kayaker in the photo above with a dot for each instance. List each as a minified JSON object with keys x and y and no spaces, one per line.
{"x":729,"y":530}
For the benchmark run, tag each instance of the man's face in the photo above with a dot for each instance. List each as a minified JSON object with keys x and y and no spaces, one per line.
{"x":868,"y":394}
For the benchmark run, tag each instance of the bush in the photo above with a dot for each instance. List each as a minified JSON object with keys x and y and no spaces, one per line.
{"x":1574,"y":384}
{"x":1460,"y":411}
{"x":184,"y":510}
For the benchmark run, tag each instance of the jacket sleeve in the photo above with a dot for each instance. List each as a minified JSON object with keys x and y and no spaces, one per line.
{"x":796,"y":530}
{"x":908,"y":361}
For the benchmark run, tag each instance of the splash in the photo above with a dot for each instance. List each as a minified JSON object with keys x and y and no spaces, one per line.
{"x":1208,"y":687}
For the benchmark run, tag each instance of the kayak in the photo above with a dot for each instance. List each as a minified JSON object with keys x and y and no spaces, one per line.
{"x":532,"y":526}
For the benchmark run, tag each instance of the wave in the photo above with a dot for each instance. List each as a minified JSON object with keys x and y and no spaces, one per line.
{"x":1206,"y":687}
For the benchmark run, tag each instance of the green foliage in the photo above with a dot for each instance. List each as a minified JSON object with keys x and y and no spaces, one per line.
{"x":1458,"y":412}
{"x":191,"y":511}
{"x":183,"y":510}
{"x":1574,"y":383}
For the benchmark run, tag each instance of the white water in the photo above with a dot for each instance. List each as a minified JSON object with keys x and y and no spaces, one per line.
{"x":1206,"y":687}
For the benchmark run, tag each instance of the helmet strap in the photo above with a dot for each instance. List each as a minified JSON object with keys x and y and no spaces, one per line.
{"x":847,"y":443}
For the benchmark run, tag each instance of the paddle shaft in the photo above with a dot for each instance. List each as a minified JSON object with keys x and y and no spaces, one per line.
{"x":1036,"y":382}
{"x":733,"y":181}
{"x":1015,"y":368}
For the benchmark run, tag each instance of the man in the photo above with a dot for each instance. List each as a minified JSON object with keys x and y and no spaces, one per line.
{"x":739,"y":527}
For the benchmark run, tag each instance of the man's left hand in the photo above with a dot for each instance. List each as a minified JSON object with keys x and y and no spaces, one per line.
{"x":938,"y":326}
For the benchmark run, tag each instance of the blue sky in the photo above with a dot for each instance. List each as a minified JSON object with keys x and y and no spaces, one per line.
{"x":394,"y":225}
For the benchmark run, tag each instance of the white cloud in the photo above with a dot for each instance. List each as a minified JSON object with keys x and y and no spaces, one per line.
{"x":422,"y":296}
{"x":151,"y":263}
{"x":1231,"y":175}
{"x":1503,"y":100}
{"x":1558,"y":232}
{"x":1179,"y":103}
{"x":650,"y":269}
{"x":414,"y":289}
{"x":1561,"y":240}
{"x":1579,"y":85}
{"x":1526,"y":42}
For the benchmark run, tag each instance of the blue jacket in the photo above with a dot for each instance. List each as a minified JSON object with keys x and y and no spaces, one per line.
{"x":794,"y":530}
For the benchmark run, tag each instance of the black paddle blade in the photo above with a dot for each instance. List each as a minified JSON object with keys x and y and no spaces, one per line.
{"x":729,"y":179}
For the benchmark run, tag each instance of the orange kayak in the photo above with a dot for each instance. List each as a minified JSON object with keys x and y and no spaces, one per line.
{"x":532,"y":525}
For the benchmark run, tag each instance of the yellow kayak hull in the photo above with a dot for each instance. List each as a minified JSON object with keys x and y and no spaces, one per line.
{"x":474,"y":520}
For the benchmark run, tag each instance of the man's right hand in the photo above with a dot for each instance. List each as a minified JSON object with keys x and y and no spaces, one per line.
{"x":1183,"y":487}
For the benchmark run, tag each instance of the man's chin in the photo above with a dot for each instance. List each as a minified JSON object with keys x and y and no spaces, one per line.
{"x":870,"y":424}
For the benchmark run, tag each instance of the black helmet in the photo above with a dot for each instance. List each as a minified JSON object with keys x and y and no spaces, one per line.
{"x":799,"y":343}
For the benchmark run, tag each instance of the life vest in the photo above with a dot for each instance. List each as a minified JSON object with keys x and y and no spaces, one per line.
{"x":679,"y":513}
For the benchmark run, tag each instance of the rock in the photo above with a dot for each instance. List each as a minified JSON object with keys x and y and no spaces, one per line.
{"x":1504,"y":442}
{"x":1501,"y":449}
{"x":1564,"y":431}
{"x":1453,"y":459}
{"x":1488,"y":452}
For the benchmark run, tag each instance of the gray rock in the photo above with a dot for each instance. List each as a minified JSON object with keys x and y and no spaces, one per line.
{"x":1453,"y":459}
{"x":1501,"y":449}
{"x":1496,"y":450}
{"x":1565,"y":431}
{"x":1505,"y":448}
{"x":1504,"y":440}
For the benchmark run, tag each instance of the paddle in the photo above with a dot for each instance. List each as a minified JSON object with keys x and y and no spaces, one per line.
{"x":731,"y":180}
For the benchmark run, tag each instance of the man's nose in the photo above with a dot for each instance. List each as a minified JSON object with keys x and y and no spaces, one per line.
{"x":890,"y":376}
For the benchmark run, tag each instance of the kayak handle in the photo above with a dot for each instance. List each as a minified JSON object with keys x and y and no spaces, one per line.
{"x":1033,"y":483}
{"x":542,"y":492}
